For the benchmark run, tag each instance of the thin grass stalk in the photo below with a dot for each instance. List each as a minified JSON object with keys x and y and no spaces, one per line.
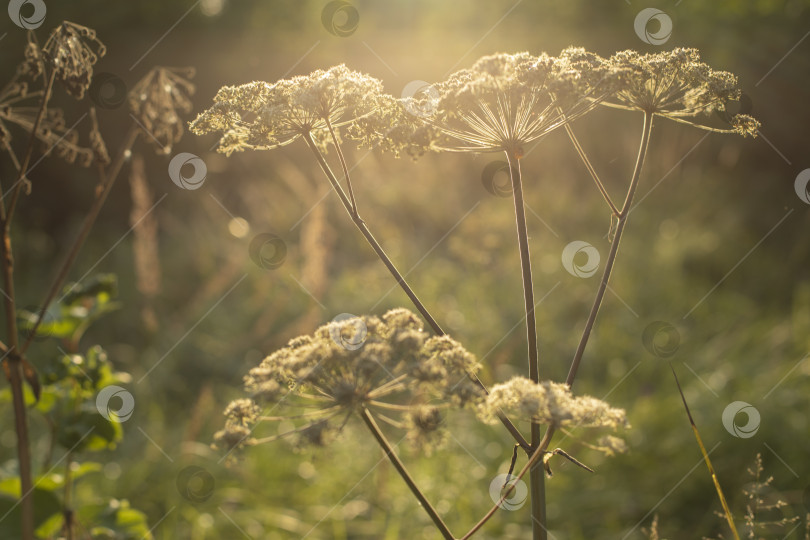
{"x":726,"y":510}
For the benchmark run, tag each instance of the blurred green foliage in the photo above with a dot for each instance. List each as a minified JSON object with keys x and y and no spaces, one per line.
{"x":702,"y":252}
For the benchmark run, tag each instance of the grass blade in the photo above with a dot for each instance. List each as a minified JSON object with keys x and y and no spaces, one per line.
{"x":722,"y":497}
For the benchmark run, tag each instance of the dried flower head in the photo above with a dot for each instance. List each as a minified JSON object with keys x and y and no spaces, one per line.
{"x":392,"y":126}
{"x":33,"y":64}
{"x":386,"y":364}
{"x":677,"y":85}
{"x":70,"y":53}
{"x":610,"y":445}
{"x":19,"y":106}
{"x":424,"y":425}
{"x":157,"y":102}
{"x":260,"y":115}
{"x":506,"y":101}
{"x":550,"y":403}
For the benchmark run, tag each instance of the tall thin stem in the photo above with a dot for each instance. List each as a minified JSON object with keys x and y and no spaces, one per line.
{"x":533,"y":463}
{"x":540,"y":449}
{"x":537,"y":478}
{"x":587,"y":162}
{"x":29,"y":151}
{"x":361,"y":225}
{"x":403,"y":472}
{"x":14,"y":364}
{"x":614,"y":247}
{"x":343,"y":165}
{"x":107,"y":179}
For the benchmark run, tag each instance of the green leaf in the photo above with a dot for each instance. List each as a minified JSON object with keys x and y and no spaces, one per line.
{"x":81,"y":304}
{"x":56,"y":481}
{"x":87,"y":430}
{"x":115,"y":521}
{"x":46,"y":506}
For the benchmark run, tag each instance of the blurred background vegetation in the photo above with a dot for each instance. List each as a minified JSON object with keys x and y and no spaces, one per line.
{"x":190,"y":326}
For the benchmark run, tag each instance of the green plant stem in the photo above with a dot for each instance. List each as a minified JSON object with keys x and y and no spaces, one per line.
{"x":403,"y":472}
{"x":361,"y":225}
{"x":106,"y":181}
{"x":614,"y":248}
{"x":371,"y":240}
{"x":537,"y":479}
{"x":68,"y":510}
{"x":587,"y":162}
{"x":534,"y":462}
{"x":343,"y":165}
{"x":540,"y":449}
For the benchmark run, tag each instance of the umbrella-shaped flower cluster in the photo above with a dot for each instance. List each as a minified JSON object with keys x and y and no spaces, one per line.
{"x":389,"y":365}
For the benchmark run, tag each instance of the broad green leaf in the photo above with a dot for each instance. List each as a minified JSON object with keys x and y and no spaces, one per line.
{"x":87,"y":430}
{"x":46,"y":506}
{"x":115,"y":521}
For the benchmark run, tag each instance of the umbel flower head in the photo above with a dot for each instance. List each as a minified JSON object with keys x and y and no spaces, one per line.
{"x":158,"y":100}
{"x":549,"y":403}
{"x":396,"y":126}
{"x":388,"y":365}
{"x":21,"y":97}
{"x":505,"y":101}
{"x":19,"y":107}
{"x":677,"y":85}
{"x":259,"y":115}
{"x":70,"y":53}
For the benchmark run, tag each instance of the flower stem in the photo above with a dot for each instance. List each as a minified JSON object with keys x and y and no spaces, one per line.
{"x":13,"y":365}
{"x":371,"y":240}
{"x":533,"y":463}
{"x":22,"y":174}
{"x":361,"y":225}
{"x":403,"y":472}
{"x":614,"y":248}
{"x":587,"y":162}
{"x":105,"y":185}
{"x":343,"y":165}
{"x":537,"y":479}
